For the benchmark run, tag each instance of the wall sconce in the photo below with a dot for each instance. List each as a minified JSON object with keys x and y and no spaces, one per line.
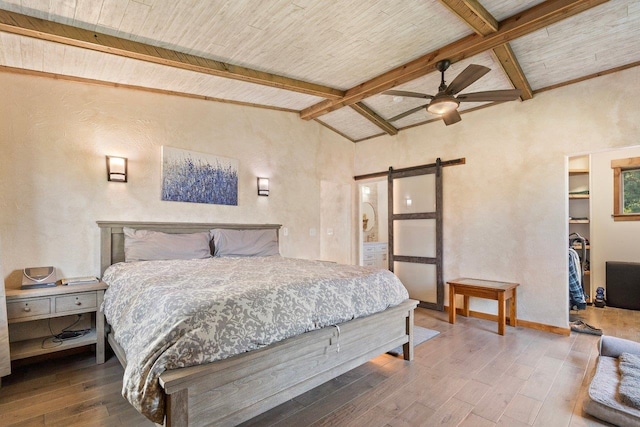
{"x":263,"y":186}
{"x":116,"y":169}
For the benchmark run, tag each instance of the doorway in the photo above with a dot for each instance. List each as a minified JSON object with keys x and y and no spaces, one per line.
{"x":373,"y":220}
{"x":414,"y":226}
{"x":590,"y":177}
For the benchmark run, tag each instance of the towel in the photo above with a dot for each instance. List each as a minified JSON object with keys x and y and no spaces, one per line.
{"x":629,"y":389}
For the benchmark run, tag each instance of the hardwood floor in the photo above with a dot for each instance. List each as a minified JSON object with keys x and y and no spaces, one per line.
{"x":466,"y":376}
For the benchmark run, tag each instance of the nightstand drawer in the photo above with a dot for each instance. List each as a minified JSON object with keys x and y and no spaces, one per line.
{"x":76,"y":302}
{"x":32,"y":307}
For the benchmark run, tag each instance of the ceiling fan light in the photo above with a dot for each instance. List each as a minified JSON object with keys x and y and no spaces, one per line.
{"x":442,"y":106}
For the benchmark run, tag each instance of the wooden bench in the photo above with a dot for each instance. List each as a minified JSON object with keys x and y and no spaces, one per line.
{"x":498,"y":291}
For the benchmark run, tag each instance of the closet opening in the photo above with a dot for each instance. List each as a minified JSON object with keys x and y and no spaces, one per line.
{"x":599,"y":241}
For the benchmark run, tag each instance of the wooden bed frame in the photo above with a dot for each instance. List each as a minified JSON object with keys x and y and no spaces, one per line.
{"x":233,"y":390}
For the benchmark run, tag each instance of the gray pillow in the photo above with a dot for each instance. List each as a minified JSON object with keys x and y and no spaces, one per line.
{"x":146,"y":245}
{"x":245,"y":242}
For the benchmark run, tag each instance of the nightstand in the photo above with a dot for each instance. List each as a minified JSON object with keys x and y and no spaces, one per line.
{"x":46,"y":303}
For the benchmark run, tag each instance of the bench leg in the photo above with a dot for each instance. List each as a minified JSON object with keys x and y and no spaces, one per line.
{"x":513,"y":306}
{"x":452,"y":303}
{"x":501,"y":313}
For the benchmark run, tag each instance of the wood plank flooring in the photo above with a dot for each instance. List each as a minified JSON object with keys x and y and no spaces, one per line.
{"x":466,"y":376}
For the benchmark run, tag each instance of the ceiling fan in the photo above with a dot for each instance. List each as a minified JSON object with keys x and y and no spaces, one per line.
{"x":445,"y":103}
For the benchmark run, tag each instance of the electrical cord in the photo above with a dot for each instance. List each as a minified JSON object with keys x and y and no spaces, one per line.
{"x":64,"y":335}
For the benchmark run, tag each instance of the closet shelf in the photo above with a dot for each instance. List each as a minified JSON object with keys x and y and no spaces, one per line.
{"x":578,"y":221}
{"x":578,"y":171}
{"x":578,"y":196}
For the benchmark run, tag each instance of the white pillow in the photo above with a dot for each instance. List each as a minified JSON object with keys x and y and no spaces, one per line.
{"x":146,"y":245}
{"x":244,"y":242}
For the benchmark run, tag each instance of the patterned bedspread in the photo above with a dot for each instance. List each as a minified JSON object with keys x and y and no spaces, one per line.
{"x":172,"y":314}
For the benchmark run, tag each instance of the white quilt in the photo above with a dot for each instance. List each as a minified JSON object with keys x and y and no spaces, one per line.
{"x":173,"y":314}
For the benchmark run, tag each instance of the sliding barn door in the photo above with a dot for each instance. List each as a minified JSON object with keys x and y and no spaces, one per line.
{"x":415,"y":232}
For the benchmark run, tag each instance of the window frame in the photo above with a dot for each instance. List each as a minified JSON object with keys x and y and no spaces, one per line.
{"x":619,"y":166}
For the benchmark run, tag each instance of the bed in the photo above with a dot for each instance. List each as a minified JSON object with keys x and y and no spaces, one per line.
{"x":237,"y":388}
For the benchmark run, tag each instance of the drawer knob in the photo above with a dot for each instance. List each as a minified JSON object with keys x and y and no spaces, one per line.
{"x":27,"y":309}
{"x":78,"y":302}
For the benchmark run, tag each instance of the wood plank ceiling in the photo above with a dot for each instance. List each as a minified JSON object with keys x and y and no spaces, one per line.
{"x":325,"y":60}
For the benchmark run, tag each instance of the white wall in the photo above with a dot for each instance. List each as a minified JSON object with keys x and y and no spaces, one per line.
{"x":5,"y":357}
{"x":505,"y":210}
{"x":611,"y":240}
{"x":54,"y":136}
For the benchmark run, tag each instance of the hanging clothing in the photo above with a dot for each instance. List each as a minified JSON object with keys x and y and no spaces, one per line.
{"x":576,"y":293}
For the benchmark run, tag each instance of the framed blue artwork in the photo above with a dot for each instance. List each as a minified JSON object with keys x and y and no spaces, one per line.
{"x":189,"y":176}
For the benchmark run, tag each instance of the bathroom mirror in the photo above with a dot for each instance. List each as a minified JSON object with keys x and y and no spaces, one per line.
{"x":368,"y":217}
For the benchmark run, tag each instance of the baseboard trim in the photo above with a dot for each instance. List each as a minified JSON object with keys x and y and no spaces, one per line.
{"x":524,"y":323}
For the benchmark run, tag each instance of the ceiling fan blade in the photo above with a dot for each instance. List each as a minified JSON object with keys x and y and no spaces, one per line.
{"x":490,"y":95}
{"x":451,"y":117}
{"x":470,"y":74}
{"x":407,"y":94}
{"x":407,"y":113}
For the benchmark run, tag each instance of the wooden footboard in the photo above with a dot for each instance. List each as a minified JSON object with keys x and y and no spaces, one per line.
{"x":233,"y":390}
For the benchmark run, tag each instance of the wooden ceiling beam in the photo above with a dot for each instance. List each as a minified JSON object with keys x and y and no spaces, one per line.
{"x":483,"y":23}
{"x":526,"y":22}
{"x":512,"y":68}
{"x":342,"y":134}
{"x":587,"y":77}
{"x":24,"y":25}
{"x":45,"y":74}
{"x":474,"y":14}
{"x":374,"y":118}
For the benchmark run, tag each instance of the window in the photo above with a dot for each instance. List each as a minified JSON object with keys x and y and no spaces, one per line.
{"x":626,"y":189}
{"x":631,"y":191}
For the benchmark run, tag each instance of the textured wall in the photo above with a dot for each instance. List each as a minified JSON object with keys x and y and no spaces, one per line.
{"x":54,"y":137}
{"x":505,"y":211}
{"x":5,"y":358}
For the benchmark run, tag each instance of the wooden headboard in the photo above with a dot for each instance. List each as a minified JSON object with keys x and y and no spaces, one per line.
{"x":112,"y":236}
